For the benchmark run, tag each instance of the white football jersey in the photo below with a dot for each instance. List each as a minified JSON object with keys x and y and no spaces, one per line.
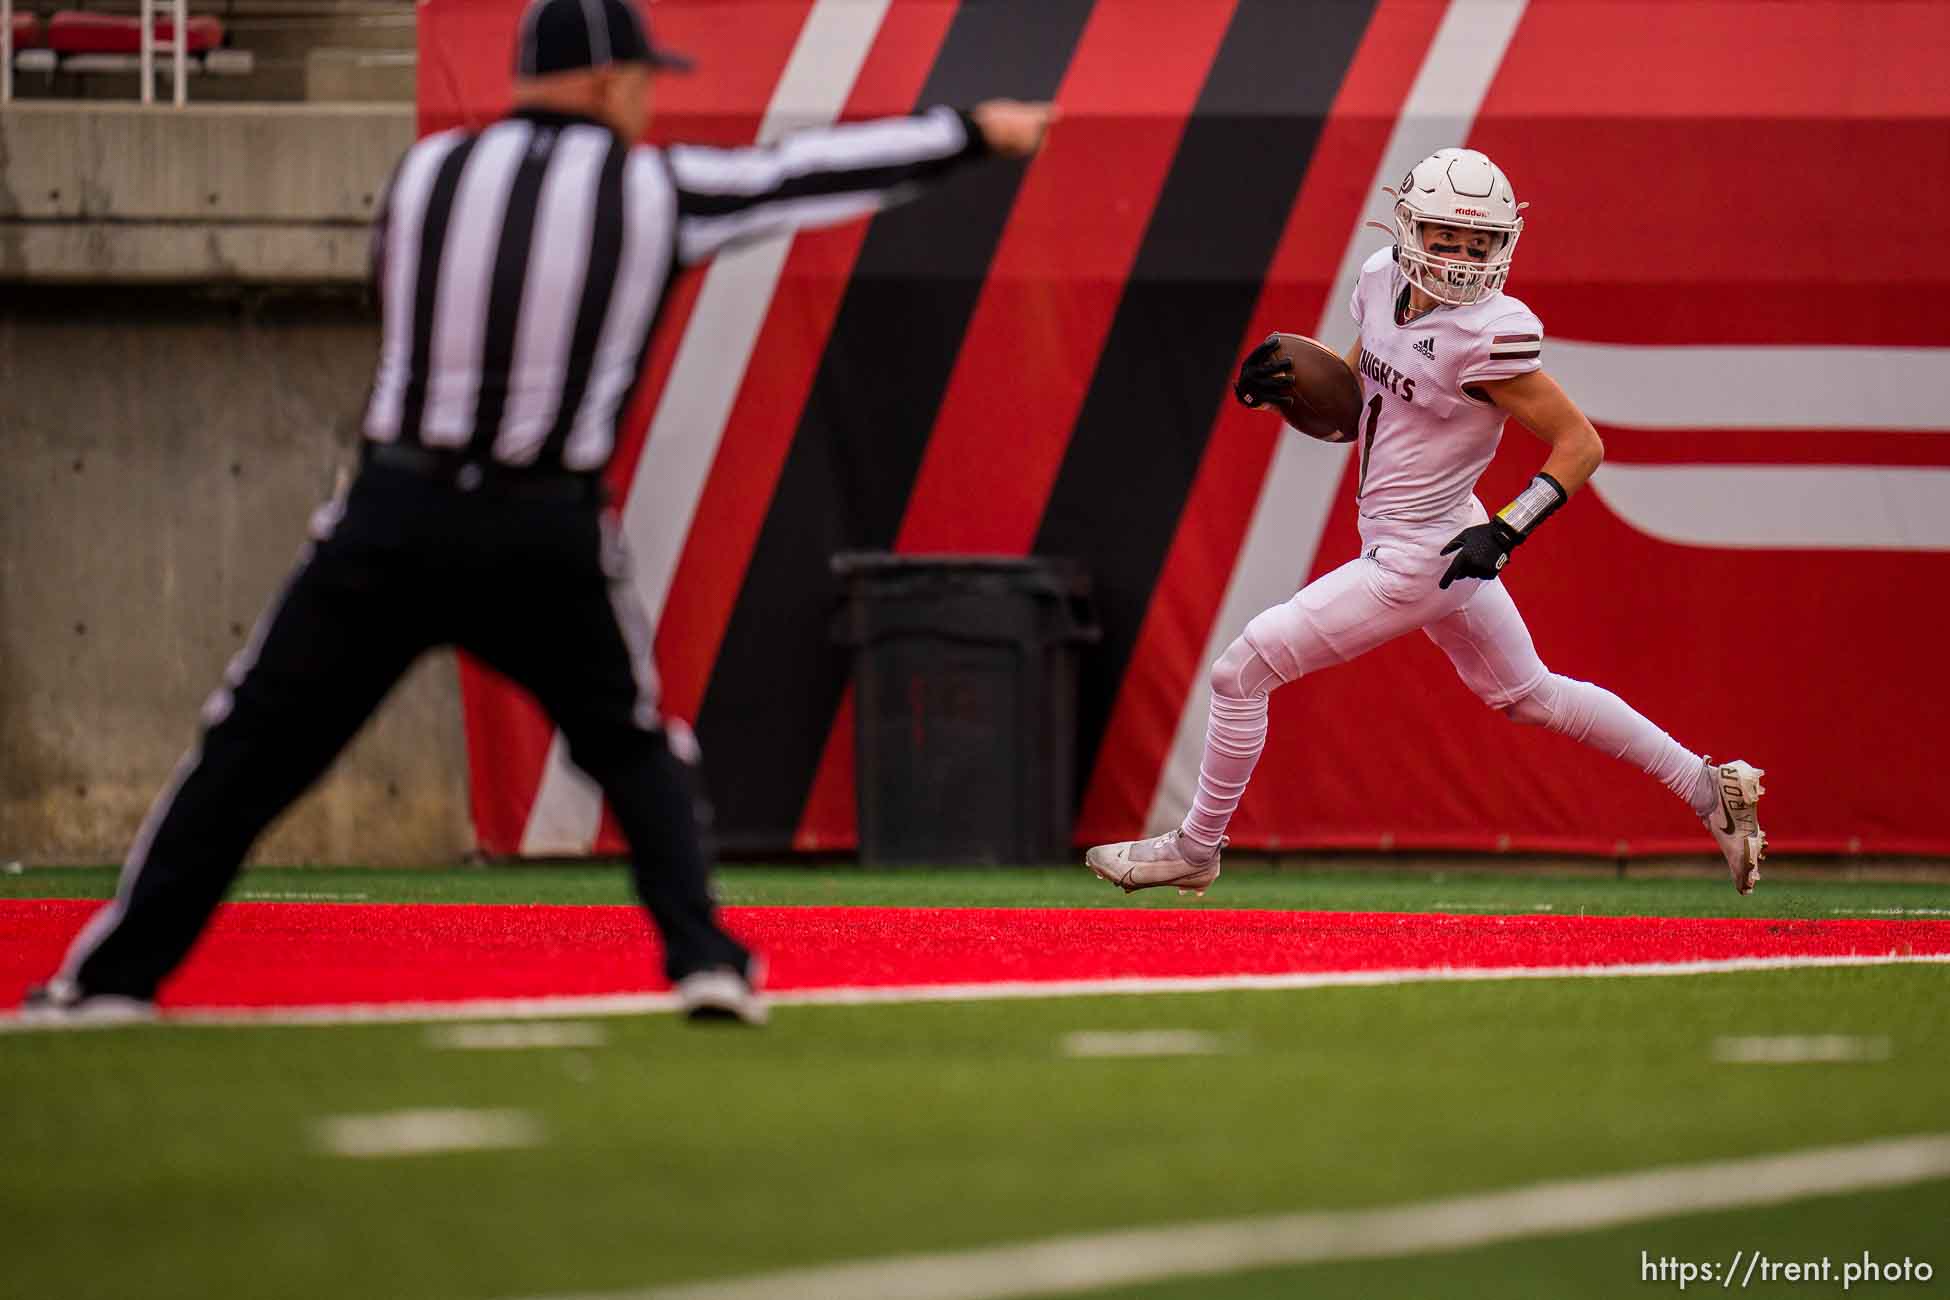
{"x":1424,"y":440}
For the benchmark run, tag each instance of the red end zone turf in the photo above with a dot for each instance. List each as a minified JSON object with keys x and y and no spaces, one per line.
{"x":291,"y":954}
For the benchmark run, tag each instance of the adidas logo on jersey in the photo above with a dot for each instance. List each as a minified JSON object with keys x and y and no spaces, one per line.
{"x":1426,"y":347}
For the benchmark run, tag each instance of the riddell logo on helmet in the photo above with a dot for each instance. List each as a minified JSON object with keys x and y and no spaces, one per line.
{"x":1471,"y":212}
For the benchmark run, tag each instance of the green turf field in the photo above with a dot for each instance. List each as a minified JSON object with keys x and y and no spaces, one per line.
{"x":1783,"y":891}
{"x":185,"y":1161}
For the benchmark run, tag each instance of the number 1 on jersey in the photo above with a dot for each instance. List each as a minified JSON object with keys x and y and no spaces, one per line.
{"x":1367,"y":441}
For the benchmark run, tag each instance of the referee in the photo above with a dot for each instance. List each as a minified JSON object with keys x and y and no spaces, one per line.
{"x":520,"y":271}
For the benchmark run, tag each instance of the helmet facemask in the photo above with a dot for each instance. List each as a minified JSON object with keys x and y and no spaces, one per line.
{"x":1453,"y":282}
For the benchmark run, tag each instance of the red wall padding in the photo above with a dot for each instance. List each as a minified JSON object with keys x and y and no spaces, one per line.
{"x":1701,"y":180}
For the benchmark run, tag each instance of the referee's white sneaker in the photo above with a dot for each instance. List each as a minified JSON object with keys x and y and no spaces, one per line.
{"x":62,"y":1002}
{"x":720,"y":993}
{"x":1167,"y":859}
{"x":1736,"y":822}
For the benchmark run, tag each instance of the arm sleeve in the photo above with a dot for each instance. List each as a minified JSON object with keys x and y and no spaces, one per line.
{"x":1508,"y":346}
{"x":811,"y":178}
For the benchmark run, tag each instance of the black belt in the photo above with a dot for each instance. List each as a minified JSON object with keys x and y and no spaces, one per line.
{"x":465,"y":472}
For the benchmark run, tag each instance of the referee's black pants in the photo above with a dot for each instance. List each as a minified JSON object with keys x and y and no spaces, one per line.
{"x":523,"y":573}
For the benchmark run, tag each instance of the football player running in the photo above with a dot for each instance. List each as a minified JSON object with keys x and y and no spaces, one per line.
{"x":1443,"y":358}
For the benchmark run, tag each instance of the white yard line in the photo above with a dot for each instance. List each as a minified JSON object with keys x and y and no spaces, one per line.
{"x":507,"y":1036}
{"x":1141,"y":1042}
{"x":296,"y":896}
{"x":630,"y":1004}
{"x":427,"y":1132}
{"x":1799,"y":1049}
{"x":1061,"y":1265}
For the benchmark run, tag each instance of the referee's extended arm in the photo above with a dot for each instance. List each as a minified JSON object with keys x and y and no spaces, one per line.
{"x":824,"y":175}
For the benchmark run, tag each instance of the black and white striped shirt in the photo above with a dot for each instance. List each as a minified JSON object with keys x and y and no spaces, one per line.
{"x":521,"y":268}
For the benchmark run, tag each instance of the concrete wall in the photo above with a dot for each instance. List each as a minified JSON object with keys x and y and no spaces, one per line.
{"x":210,"y":193}
{"x":160,"y":452}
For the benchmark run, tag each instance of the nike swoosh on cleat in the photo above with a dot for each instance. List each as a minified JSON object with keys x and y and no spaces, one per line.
{"x":1726,"y":808}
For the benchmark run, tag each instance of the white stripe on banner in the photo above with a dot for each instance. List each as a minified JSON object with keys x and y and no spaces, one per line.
{"x":1221,"y":1247}
{"x":1826,"y":507}
{"x":1633,"y":387}
{"x":704,"y":381}
{"x":1783,"y":507}
{"x":1299,"y":490}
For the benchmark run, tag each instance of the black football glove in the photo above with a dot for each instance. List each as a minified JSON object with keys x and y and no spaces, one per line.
{"x":1265,"y":377}
{"x":1481,"y":551}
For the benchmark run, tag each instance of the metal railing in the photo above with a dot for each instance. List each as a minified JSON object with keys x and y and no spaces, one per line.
{"x":178,"y":47}
{"x":180,"y":10}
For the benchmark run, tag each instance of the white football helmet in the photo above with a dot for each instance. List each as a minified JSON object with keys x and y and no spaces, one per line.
{"x":1464,"y":189}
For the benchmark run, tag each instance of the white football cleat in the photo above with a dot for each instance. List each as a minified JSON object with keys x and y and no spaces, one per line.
{"x":1736,"y":822}
{"x":1161,"y":860}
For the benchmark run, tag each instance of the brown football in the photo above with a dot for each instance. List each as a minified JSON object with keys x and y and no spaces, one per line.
{"x":1326,"y":401}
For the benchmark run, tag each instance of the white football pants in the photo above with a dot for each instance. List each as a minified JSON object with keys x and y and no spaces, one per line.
{"x":1391,"y":589}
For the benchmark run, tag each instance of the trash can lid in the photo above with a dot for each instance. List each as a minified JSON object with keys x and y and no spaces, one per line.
{"x":1062,"y":570}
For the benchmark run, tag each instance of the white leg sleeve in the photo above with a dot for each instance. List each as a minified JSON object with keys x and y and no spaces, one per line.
{"x":1491,"y":648}
{"x":1235,"y":733}
{"x":1594,"y":716}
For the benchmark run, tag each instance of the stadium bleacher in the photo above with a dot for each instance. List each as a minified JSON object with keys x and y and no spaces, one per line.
{"x":236,"y":50}
{"x":73,"y":32}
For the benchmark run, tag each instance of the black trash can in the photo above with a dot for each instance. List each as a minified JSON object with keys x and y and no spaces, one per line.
{"x":965,"y":704}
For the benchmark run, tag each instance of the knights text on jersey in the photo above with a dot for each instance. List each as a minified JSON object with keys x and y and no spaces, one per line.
{"x":1424,"y":439}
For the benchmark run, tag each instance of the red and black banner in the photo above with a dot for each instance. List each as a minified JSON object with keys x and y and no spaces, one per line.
{"x":1035,"y":359}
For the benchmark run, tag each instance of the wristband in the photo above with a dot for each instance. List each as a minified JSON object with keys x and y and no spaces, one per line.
{"x":1534,"y":504}
{"x":977,"y":144}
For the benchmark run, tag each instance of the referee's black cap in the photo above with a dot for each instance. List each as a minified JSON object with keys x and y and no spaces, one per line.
{"x":564,"y":35}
